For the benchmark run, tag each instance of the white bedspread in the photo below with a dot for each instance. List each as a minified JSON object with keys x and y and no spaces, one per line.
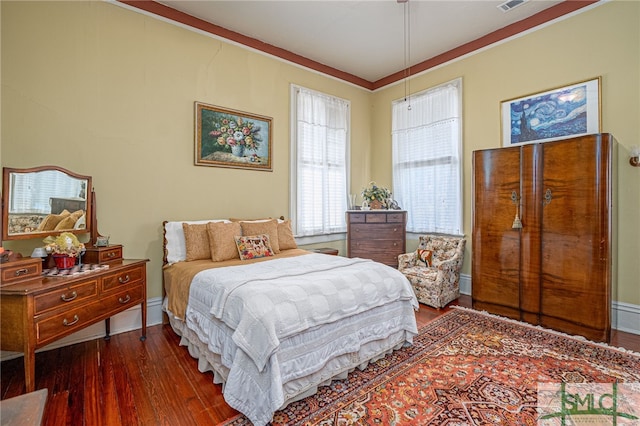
{"x":268,"y":301}
{"x":265,"y":304}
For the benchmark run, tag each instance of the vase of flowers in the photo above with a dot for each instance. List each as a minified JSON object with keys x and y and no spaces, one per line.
{"x":376,"y":197}
{"x":237,"y":150}
{"x":235,"y":134}
{"x":64,"y":248}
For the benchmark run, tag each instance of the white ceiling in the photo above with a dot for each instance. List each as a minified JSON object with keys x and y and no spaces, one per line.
{"x":362,"y":38}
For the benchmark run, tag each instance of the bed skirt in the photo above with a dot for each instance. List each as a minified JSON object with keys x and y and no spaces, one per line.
{"x":293,"y":387}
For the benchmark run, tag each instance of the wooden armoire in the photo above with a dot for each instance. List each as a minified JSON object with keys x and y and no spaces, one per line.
{"x":543,"y":236}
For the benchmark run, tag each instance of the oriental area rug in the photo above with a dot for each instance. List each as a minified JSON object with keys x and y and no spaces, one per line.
{"x":473,"y":368}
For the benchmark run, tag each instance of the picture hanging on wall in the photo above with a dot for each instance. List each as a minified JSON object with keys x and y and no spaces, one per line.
{"x":229,"y":138}
{"x":559,"y":113}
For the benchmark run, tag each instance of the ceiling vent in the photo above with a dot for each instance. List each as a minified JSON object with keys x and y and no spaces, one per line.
{"x":510,"y":4}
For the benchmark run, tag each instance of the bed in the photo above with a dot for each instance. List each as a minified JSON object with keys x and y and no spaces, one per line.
{"x":272,"y":321}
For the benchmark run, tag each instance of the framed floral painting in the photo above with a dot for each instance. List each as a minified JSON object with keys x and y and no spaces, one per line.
{"x":229,"y":138}
{"x":559,"y":113}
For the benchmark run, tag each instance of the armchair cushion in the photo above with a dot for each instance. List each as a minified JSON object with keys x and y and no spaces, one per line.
{"x":438,"y":284}
{"x":425,"y":257}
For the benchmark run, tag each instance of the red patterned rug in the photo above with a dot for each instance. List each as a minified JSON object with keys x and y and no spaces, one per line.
{"x":465,"y":368}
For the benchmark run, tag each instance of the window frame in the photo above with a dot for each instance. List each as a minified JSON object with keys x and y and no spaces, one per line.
{"x":293,"y":158}
{"x":415,"y":231}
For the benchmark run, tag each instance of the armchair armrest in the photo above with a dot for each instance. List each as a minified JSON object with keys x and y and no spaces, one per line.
{"x":407,"y":260}
{"x":451,"y":261}
{"x":449,"y":264}
{"x":449,"y":270}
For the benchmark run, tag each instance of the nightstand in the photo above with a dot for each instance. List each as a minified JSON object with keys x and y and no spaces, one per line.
{"x":325,"y":250}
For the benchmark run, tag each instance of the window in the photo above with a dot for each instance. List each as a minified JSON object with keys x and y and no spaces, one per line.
{"x":427,"y":166}
{"x":319,"y":157}
{"x":32,"y":191}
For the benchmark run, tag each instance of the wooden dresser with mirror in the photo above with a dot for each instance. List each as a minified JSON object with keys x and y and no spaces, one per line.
{"x":39,"y":307}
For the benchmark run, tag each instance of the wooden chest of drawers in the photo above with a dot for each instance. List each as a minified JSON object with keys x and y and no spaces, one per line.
{"x":38,"y":311}
{"x":379,"y":235}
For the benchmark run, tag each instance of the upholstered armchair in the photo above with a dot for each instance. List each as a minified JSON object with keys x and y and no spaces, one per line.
{"x":434,"y":268}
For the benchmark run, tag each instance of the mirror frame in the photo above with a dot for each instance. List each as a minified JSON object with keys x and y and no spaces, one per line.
{"x":6,"y":171}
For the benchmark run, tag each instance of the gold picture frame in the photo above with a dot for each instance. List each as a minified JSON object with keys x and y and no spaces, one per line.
{"x":235,"y":139}
{"x":558,"y":113}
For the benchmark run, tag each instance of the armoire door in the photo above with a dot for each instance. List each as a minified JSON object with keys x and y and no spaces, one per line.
{"x":496,"y":245}
{"x":576,"y":240}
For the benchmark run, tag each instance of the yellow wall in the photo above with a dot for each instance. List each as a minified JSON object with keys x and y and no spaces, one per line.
{"x":105,"y":91}
{"x":603,"y":41}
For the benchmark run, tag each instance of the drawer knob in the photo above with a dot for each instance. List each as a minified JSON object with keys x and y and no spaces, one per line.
{"x":111,"y":254}
{"x":125,"y":300}
{"x":66,"y":323}
{"x":64,"y":297}
{"x":124,"y":280}
{"x":21,"y":272}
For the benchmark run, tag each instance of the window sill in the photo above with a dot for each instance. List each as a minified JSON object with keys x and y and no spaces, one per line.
{"x":315,"y":239}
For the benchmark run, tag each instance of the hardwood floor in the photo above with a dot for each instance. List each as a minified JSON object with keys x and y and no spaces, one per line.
{"x":127,"y":382}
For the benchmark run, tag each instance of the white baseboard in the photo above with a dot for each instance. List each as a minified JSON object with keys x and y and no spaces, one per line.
{"x":465,"y":284}
{"x":625,"y":317}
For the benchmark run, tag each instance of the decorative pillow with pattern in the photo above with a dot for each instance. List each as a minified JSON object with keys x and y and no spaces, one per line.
{"x":253,"y":246}
{"x":425,"y":257}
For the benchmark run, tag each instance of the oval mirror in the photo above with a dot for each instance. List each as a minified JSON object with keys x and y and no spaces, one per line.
{"x":43,"y":201}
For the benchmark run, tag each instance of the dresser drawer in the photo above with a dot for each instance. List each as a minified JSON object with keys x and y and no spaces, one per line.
{"x":69,"y":320}
{"x":103,"y":254}
{"x":395,"y":218}
{"x":20,"y":270}
{"x":383,"y":231}
{"x":376,"y":218}
{"x":385,"y":251}
{"x":368,"y":247}
{"x":123,"y":278}
{"x":64,"y":323}
{"x":67,"y":297}
{"x":356,"y":217}
{"x":123,"y":300}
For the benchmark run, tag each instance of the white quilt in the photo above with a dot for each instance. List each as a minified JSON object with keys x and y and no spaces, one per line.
{"x":267,"y":303}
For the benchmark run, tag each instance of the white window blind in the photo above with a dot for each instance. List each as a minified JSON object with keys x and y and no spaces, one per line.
{"x":319,"y":162}
{"x":427,"y":166}
{"x":32,"y":191}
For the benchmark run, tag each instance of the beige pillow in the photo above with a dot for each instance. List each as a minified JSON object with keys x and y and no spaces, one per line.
{"x":260,"y":219}
{"x":77,"y":214}
{"x":196,"y":240}
{"x":269,"y":227}
{"x":50,"y":222}
{"x":222,"y":242}
{"x":66,"y":223}
{"x":286,"y":239}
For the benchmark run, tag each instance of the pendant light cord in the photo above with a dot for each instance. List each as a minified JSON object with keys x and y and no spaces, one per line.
{"x":407,"y":53}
